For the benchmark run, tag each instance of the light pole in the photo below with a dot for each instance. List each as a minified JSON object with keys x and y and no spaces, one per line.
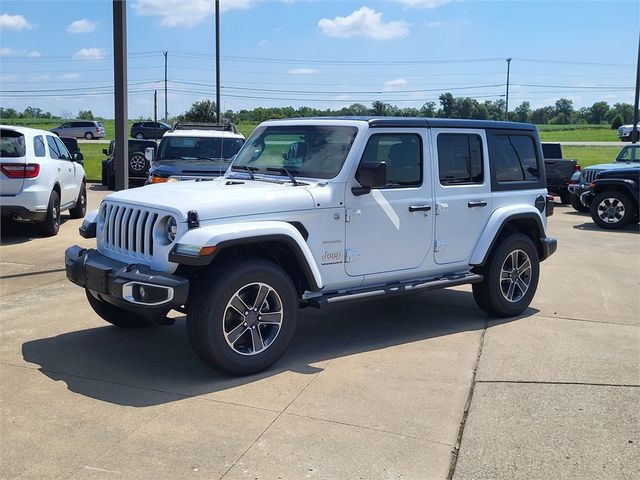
{"x":166,"y":111}
{"x":218,"y":61}
{"x":634,"y":132}
{"x":121,"y":149}
{"x":506,"y":109}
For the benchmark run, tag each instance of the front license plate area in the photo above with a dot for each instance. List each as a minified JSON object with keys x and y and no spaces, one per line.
{"x":96,"y":278}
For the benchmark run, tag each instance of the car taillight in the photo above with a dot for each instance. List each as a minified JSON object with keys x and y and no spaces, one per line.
{"x":576,"y":168}
{"x":21,"y":170}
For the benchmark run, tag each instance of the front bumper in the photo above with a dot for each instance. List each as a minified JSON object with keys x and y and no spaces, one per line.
{"x":549,"y":246}
{"x":136,"y":288}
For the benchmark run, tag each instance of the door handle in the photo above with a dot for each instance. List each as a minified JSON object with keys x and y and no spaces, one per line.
{"x":419,"y":208}
{"x":477,"y":204}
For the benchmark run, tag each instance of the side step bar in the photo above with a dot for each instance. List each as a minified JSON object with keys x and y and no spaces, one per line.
{"x":397,"y":288}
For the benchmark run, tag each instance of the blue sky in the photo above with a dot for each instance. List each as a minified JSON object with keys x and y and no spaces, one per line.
{"x":57,"y":55}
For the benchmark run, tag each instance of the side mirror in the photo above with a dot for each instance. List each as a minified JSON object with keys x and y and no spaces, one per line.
{"x":148,"y":153}
{"x":78,"y":158}
{"x":370,"y":175}
{"x":105,"y":151}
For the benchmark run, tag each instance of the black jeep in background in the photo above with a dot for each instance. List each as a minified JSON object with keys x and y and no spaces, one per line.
{"x":138,"y":164}
{"x":155,"y":130}
{"x":612,"y":198}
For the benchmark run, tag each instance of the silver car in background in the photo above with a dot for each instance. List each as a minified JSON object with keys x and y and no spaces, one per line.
{"x":88,"y":129}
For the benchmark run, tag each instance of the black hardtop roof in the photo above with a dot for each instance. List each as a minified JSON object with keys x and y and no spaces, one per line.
{"x":423,"y":122}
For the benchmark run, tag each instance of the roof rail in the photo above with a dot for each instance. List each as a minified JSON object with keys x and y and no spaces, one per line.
{"x":229,"y":127}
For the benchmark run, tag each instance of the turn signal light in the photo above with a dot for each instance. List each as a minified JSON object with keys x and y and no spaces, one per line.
{"x":154,"y":179}
{"x":21,"y":170}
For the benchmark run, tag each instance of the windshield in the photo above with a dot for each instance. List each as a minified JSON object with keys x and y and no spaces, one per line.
{"x":12,"y":144}
{"x":630,"y":153}
{"x":315,"y":152}
{"x":194,"y":148}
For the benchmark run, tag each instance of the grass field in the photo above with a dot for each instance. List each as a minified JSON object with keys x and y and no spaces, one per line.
{"x":576,"y":133}
{"x":588,"y":156}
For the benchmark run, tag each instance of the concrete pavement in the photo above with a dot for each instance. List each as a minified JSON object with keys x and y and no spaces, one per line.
{"x":380,"y":389}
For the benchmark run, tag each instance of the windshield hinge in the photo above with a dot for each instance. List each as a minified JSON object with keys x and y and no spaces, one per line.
{"x":350,"y":213}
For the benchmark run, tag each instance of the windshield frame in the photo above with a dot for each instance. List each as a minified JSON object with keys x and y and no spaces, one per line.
{"x":310,"y":139}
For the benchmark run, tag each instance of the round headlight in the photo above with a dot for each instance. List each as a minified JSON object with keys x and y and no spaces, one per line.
{"x":171,"y":229}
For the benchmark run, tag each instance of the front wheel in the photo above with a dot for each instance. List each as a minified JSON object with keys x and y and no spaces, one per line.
{"x":114,"y":315}
{"x":242,"y":316}
{"x":577,"y":206}
{"x":612,"y":210}
{"x":565,"y":197}
{"x":510,"y":277}
{"x":51,"y":223}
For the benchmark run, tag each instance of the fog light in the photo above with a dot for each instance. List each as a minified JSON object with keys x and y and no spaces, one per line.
{"x":145,"y":294}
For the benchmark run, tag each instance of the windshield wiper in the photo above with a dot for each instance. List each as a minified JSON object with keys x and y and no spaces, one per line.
{"x":247,"y":169}
{"x":285,"y":171}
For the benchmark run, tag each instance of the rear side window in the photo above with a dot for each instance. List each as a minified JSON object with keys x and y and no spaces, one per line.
{"x":403,"y":154}
{"x":38,"y":146}
{"x":12,"y":144}
{"x":460,"y":159}
{"x":514,"y":158}
{"x":53,"y":148}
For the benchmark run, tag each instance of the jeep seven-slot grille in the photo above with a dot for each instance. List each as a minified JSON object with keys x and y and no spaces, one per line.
{"x":589,"y":175}
{"x":129,"y":230}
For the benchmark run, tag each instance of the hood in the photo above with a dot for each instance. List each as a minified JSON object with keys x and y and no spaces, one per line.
{"x":219,"y":198}
{"x":630,"y":173}
{"x":613,"y":166}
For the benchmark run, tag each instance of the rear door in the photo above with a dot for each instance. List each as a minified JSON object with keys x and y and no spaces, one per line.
{"x":13,"y":154}
{"x":462,"y":192}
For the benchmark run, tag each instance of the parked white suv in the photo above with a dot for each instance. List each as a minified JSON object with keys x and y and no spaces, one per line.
{"x":39,"y":178}
{"x":317,"y":211}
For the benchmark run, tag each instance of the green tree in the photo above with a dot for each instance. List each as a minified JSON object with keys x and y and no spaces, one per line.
{"x":448,"y":104}
{"x":85,"y":115}
{"x":564,"y":106}
{"x":428,"y":109}
{"x":380,"y":108}
{"x":522,"y":113}
{"x":203,"y":111}
{"x":598,"y":113}
{"x":8,"y":113}
{"x":617,"y":122}
{"x":625,"y":110}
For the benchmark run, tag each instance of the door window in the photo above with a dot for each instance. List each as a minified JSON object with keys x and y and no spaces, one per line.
{"x":53,"y":147}
{"x":403,"y":154}
{"x":62,"y":150}
{"x":460,"y":159}
{"x":38,"y":146}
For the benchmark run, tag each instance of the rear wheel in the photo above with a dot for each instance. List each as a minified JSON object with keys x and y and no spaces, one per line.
{"x":51,"y":223}
{"x":137,"y":164}
{"x":111,"y":181}
{"x":510,"y":277}
{"x":80,"y":208}
{"x":242,"y":316}
{"x":88,"y":136}
{"x":565,"y":197}
{"x":139,"y":136}
{"x":612,"y":210}
{"x":114,"y":315}
{"x":577,"y":206}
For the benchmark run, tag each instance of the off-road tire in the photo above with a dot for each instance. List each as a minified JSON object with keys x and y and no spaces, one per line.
{"x":210,"y":314}
{"x":111,"y":181}
{"x":139,"y":136}
{"x":565,"y":197}
{"x":114,"y":315}
{"x":138,"y":164}
{"x":51,"y":224}
{"x":577,"y":206}
{"x":628,"y":209}
{"x":80,"y":208}
{"x":489,"y":293}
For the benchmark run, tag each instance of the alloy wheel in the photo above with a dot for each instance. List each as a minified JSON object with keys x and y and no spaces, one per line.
{"x":515,"y":276}
{"x":611,"y":210}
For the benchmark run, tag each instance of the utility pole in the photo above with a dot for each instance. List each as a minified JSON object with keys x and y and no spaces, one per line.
{"x":121,"y":149}
{"x":218,"y":119}
{"x":166,"y":112}
{"x":634,"y":133}
{"x":506,"y":110}
{"x":155,"y":116}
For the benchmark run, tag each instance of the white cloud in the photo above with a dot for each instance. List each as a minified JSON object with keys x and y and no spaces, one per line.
{"x":423,"y":3}
{"x":185,"y":13}
{"x":364,"y":22}
{"x":13,"y":22}
{"x":392,"y":85}
{"x":303,"y":71}
{"x":69,"y":76}
{"x":11,"y":52}
{"x":82,"y":26}
{"x":92,"y":53}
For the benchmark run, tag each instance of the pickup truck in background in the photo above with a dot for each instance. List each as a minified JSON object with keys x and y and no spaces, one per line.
{"x":558,"y":170}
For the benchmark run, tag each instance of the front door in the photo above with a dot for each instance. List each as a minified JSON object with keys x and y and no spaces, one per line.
{"x":391,"y":228}
{"x":462,"y":192}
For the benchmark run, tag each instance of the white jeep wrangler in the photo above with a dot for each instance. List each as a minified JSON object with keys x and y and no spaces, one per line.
{"x":316,"y":211}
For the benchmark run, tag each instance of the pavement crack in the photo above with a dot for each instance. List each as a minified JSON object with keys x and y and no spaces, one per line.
{"x":558,"y":317}
{"x":467,"y":407}
{"x":542,"y":382}
{"x":29,"y":274}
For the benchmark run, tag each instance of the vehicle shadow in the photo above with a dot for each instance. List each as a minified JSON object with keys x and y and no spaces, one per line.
{"x":156,"y":365}
{"x":15,"y":233}
{"x":632,"y":228}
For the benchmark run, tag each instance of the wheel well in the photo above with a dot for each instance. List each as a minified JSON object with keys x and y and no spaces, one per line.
{"x":278,"y":252}
{"x":56,"y":188}
{"x":612,"y":187}
{"x":528,"y":226}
